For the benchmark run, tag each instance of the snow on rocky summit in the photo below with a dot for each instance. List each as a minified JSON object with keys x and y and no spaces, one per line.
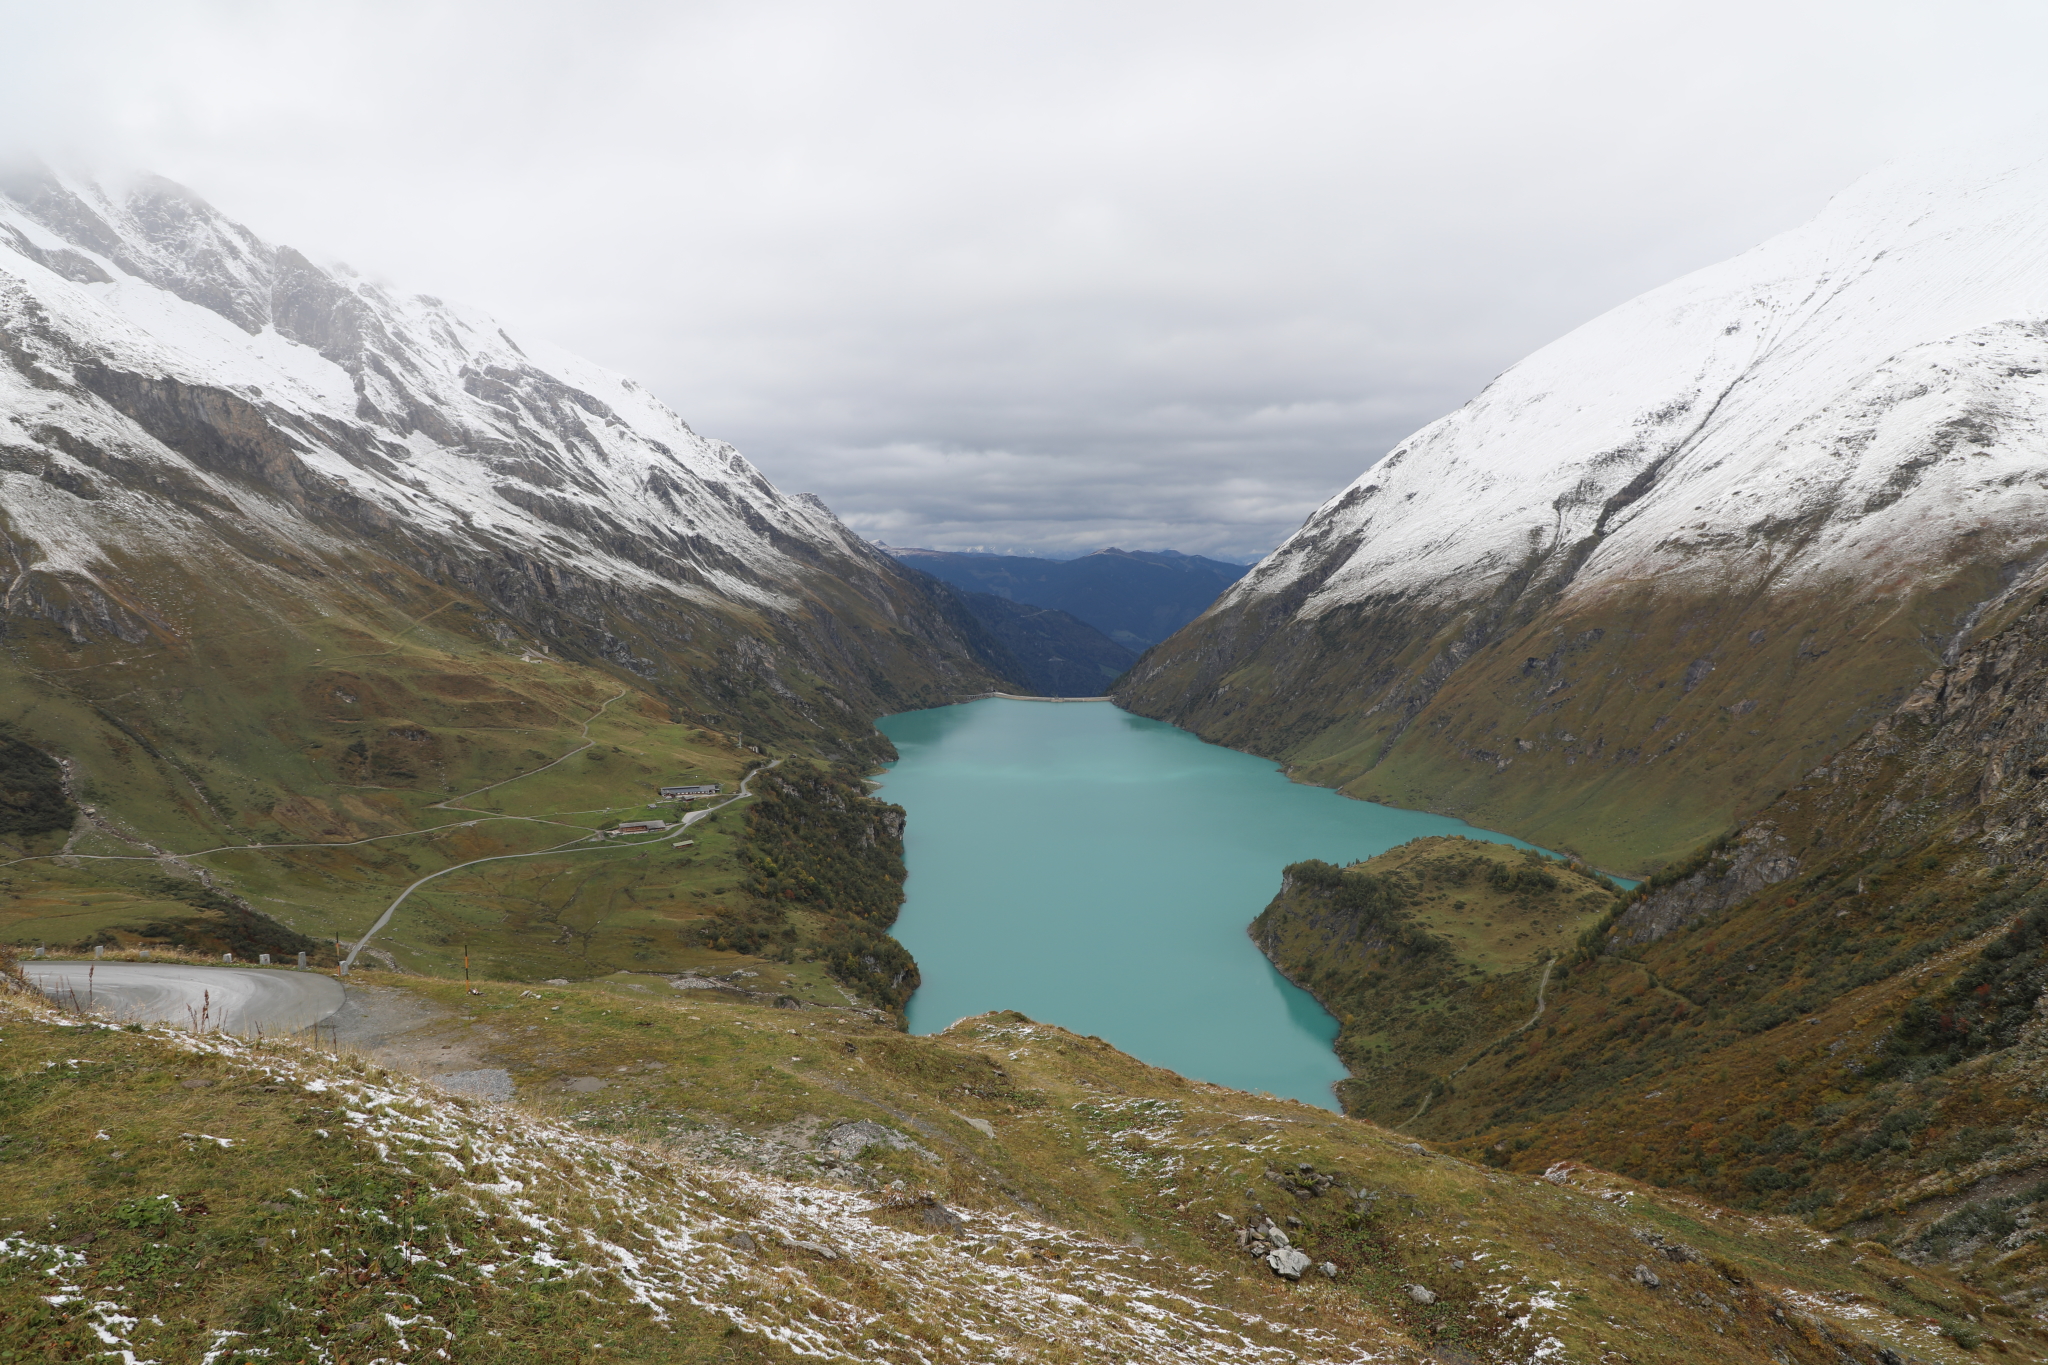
{"x":1843,"y":401}
{"x":162,"y":368}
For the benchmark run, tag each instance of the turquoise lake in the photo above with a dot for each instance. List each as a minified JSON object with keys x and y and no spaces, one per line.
{"x":1096,"y":870}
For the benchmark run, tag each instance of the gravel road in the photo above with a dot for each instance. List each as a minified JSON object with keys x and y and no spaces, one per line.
{"x":236,"y":999}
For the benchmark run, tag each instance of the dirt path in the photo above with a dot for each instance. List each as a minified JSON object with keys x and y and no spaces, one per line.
{"x":569,"y":846}
{"x":1542,"y":986}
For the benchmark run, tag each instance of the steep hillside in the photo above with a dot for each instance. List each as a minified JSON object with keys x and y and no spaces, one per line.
{"x":301,"y":574}
{"x":1058,"y":655}
{"x":1665,"y":565}
{"x":684,"y":1175}
{"x":1135,"y":597}
{"x":1838,"y":1011}
{"x":1426,"y":955}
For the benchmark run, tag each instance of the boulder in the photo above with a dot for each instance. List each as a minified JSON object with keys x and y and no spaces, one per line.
{"x":1419,"y":1294}
{"x":818,"y":1249}
{"x":1287,"y":1262}
{"x":1647,"y":1277}
{"x":1329,"y":1269}
{"x":939,"y":1218}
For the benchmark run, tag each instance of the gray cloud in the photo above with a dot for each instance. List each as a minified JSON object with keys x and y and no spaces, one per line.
{"x":1027,"y":276}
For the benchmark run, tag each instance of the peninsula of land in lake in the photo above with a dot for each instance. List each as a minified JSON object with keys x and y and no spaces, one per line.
{"x":1096,"y":870}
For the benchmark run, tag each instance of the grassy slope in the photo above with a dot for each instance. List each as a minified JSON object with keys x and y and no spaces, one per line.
{"x":1090,"y":1229}
{"x":1627,"y":729}
{"x":1756,"y":1059}
{"x":304,"y":771}
{"x":1429,"y":960}
{"x":1750,"y":1058}
{"x":1835,"y":1013}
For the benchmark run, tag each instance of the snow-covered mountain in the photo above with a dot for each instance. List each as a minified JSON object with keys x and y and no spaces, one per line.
{"x":1841,"y":434}
{"x":173,"y":389}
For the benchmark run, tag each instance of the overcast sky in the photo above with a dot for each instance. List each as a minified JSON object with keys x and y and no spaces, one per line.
{"x":1027,"y":276}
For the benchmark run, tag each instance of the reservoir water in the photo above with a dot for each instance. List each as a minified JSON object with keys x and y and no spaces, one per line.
{"x":1096,"y":870}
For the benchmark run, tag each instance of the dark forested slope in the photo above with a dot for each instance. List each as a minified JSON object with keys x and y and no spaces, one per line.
{"x":1135,"y":597}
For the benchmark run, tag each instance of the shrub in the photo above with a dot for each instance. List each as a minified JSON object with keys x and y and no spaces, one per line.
{"x":147,"y":1215}
{"x":32,"y":799}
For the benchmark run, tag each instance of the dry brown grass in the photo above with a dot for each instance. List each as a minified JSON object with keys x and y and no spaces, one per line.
{"x":186,"y":956}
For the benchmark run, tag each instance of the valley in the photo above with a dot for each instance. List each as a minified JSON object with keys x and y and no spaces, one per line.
{"x":342,"y":622}
{"x":1135,"y":597}
{"x":297,"y":563}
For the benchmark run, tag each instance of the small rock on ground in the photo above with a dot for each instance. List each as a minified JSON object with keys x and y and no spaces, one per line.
{"x":1288,"y":1262}
{"x":815,"y":1248}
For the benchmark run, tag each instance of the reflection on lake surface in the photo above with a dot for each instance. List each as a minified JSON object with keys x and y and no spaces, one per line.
{"x":1096,"y":870}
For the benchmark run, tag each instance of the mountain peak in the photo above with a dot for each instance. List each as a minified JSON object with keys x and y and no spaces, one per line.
{"x":1803,"y":473}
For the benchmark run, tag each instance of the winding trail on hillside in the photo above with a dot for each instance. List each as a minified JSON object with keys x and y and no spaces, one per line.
{"x":569,"y":847}
{"x":453,"y":803}
{"x":1542,"y":986}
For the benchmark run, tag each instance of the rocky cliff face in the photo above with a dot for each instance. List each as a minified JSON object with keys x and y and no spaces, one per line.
{"x":1667,"y":564}
{"x":187,"y":410}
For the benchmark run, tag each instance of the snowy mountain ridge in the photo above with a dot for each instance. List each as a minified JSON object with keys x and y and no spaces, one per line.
{"x":1664,"y":566}
{"x":419,"y":417}
{"x":1843,"y":401}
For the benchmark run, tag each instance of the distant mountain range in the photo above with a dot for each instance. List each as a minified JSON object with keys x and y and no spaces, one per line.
{"x":1058,"y":655}
{"x":1135,"y":597}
